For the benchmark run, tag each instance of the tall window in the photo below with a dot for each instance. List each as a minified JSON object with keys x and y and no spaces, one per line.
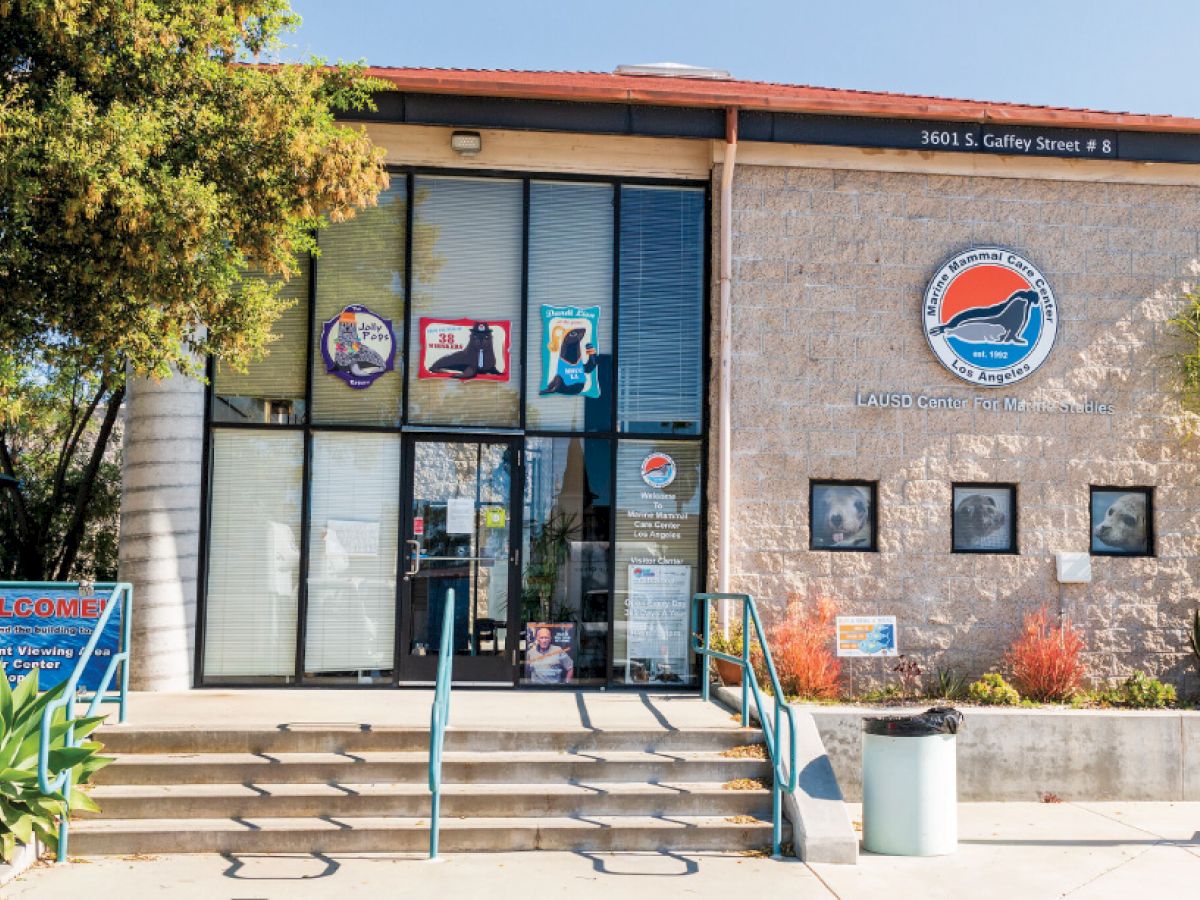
{"x":253,"y":555}
{"x":661,"y":311}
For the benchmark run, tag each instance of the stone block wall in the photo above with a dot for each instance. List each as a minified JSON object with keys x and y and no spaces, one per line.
{"x":829,"y":271}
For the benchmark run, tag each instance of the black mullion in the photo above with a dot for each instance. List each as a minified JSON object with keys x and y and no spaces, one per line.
{"x":613,"y":444}
{"x":705,"y":411}
{"x":306,"y":486}
{"x":408,"y":300}
{"x":524,"y":299}
{"x":516,"y":509}
{"x":202,"y":548}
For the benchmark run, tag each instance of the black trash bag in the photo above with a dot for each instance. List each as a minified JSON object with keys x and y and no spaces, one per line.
{"x":936,"y":720}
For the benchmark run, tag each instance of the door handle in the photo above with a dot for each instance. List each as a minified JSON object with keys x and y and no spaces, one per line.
{"x":416,"y":558}
{"x":458,"y":559}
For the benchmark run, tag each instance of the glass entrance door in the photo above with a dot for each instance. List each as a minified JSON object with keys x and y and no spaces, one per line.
{"x":459,"y":550}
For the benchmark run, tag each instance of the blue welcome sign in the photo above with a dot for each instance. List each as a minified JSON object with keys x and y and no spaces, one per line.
{"x":47,"y":628}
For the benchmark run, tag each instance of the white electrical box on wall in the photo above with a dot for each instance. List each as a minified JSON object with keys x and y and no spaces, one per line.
{"x":1074,"y":568}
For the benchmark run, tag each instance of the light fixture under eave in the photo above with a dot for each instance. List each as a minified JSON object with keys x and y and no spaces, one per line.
{"x":466,"y":143}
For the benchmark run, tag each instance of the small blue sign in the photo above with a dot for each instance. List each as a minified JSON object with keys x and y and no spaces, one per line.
{"x":47,"y":629}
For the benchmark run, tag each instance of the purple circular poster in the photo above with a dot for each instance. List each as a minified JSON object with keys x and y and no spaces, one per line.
{"x":358,"y":346}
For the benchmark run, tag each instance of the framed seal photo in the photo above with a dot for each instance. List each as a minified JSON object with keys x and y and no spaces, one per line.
{"x":990,"y":316}
{"x":841,"y":515}
{"x":1122,"y":521}
{"x":984,"y":518}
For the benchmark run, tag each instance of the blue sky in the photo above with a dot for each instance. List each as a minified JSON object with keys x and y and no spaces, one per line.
{"x":1137,"y":55}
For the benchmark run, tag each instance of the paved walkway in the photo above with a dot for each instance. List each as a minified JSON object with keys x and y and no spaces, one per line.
{"x":470,"y":708}
{"x":1102,"y":851}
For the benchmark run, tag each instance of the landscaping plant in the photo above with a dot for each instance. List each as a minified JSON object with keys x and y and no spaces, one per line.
{"x":909,"y":672}
{"x":949,"y":685}
{"x":1140,"y":691}
{"x":25,"y":812}
{"x":801,"y":646}
{"x":993,"y":690}
{"x":1045,"y":659}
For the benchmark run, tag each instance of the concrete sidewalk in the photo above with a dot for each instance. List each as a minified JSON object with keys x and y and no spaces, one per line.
{"x":409,"y":708}
{"x":1007,"y":850}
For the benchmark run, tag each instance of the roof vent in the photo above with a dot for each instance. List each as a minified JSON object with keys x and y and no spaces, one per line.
{"x":674,"y":70}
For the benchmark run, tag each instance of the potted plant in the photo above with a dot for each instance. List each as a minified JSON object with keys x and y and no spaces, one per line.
{"x":730,"y":643}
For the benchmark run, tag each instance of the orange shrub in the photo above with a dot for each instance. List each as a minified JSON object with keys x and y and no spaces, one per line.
{"x":802,"y":647}
{"x":1045,"y":658}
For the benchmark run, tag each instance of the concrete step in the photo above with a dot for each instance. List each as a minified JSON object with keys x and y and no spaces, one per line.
{"x":366,"y":738}
{"x":411,"y":835}
{"x":458,"y":767}
{"x":230,"y":801}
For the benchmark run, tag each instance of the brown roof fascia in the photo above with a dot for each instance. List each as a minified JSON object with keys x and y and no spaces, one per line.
{"x":601,"y":88}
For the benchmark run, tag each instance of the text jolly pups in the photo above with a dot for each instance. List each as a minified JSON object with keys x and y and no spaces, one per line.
{"x":990,"y":316}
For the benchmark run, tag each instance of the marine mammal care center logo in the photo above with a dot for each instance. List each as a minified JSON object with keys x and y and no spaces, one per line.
{"x":658,"y":470}
{"x":990,"y":316}
{"x":358,"y":347}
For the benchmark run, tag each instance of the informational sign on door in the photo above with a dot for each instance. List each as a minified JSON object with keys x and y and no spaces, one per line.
{"x":866,"y":636}
{"x":47,"y":628}
{"x":460,"y":515}
{"x":657,"y":613}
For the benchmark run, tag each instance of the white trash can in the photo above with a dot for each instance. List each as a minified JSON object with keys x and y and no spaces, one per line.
{"x":910,"y":783}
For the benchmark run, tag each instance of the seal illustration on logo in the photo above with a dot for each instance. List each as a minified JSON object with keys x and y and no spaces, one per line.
{"x":990,"y":316}
{"x":658,"y":470}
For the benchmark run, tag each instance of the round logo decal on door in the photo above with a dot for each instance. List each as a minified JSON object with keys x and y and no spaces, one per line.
{"x":658,"y":470}
{"x":990,"y":316}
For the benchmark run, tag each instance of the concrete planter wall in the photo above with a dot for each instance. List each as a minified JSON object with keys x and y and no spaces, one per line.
{"x":1017,"y":754}
{"x":26,"y":856}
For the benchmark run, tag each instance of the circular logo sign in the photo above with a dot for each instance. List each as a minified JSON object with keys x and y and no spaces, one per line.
{"x":658,"y":470}
{"x":990,"y":316}
{"x":357,"y":346}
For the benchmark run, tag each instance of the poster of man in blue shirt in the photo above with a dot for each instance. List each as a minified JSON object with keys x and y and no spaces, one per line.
{"x":548,"y":653}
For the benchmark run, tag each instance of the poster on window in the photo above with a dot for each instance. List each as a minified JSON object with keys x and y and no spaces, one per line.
{"x":358,"y":347}
{"x":549,"y":652}
{"x":569,"y":357}
{"x":465,"y":349}
{"x":657,"y":613}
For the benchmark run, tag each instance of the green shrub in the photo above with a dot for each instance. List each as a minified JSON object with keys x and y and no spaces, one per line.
{"x":1140,"y":691}
{"x":949,"y":685}
{"x":993,"y":690}
{"x":25,"y":812}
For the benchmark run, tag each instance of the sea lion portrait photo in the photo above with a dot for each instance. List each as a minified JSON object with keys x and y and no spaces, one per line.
{"x":841,"y":517}
{"x":477,"y":358}
{"x":575,"y":362}
{"x":1000,"y":323}
{"x":1120,"y":522}
{"x":980,"y":520}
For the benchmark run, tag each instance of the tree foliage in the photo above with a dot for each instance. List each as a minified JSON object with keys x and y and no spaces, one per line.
{"x":144,"y":167}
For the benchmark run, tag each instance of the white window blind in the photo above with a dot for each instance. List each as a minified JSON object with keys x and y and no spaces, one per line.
{"x":661,"y":310}
{"x":467,"y":266}
{"x":272,"y":389}
{"x":570,"y":264}
{"x":362,"y":263}
{"x":353,"y":536}
{"x":253,"y":554}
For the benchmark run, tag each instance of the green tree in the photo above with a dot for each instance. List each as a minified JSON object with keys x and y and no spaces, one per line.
{"x":143,"y":168}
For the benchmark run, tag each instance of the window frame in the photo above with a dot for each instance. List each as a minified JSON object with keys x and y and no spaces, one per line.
{"x":1014,"y":533}
{"x":521,"y":346}
{"x":1145,"y":490}
{"x":871,"y":486}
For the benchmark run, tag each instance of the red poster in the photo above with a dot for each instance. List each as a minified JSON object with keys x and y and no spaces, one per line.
{"x":465,"y":349}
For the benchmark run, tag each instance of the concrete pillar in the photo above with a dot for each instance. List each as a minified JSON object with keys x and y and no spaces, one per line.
{"x":160,"y":526}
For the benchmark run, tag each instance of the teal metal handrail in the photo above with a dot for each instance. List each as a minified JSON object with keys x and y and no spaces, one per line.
{"x":784,"y":777}
{"x":121,"y":597}
{"x":439,"y":716}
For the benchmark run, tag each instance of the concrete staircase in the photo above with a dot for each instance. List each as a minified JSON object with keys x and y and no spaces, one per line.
{"x":337,"y":789}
